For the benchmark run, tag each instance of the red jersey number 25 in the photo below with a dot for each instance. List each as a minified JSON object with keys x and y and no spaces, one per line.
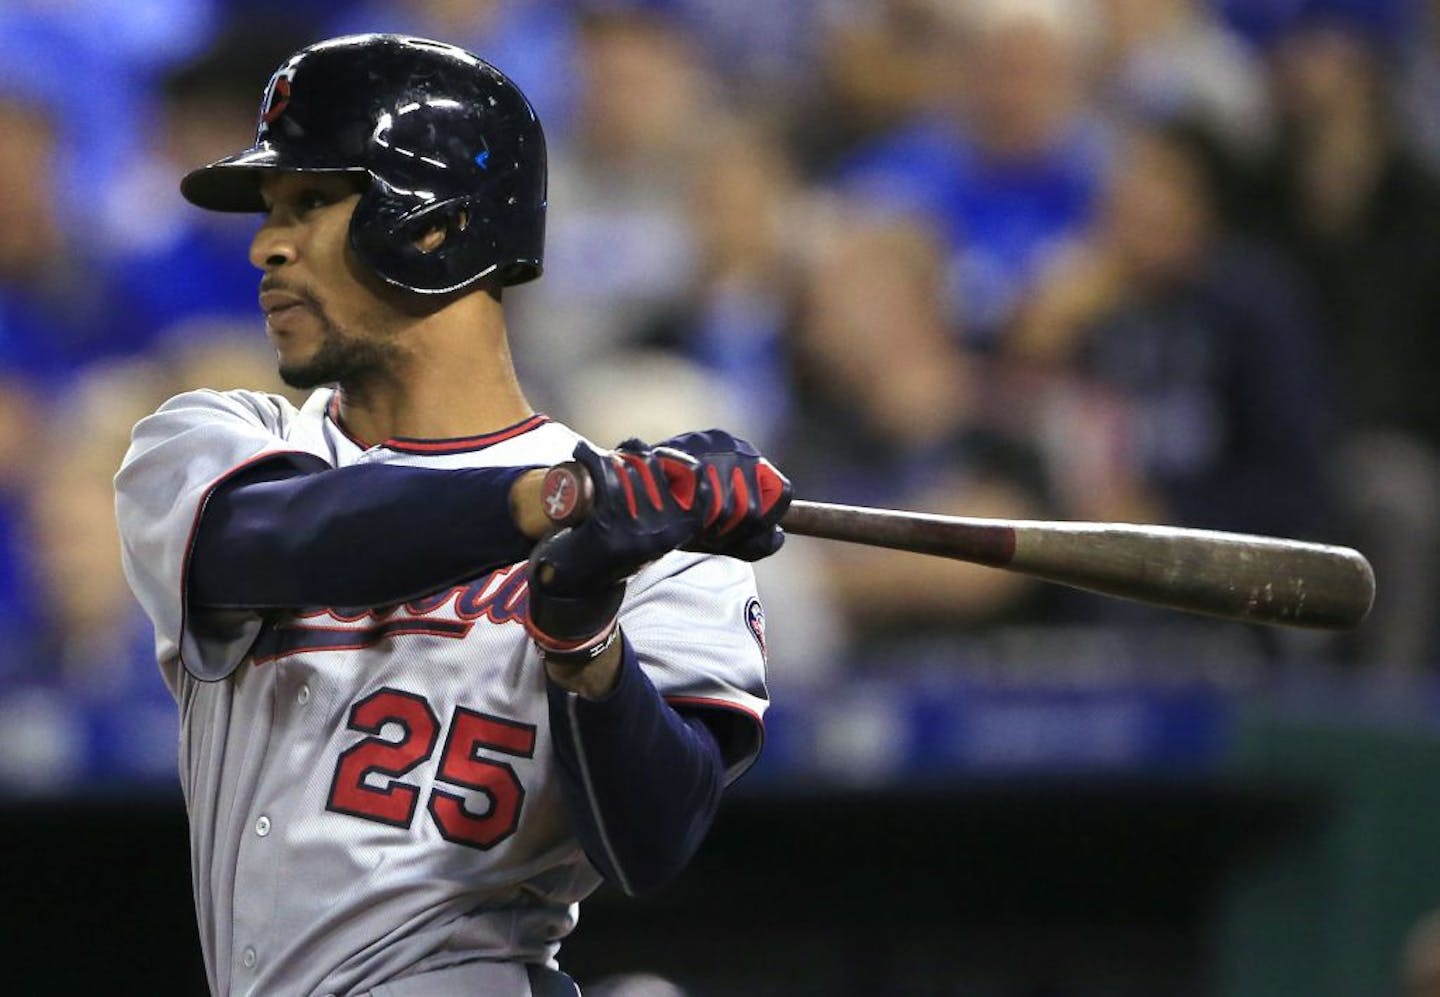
{"x":369,"y":783}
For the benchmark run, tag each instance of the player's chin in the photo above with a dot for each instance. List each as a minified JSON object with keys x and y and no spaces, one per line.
{"x":304,"y":375}
{"x":298,"y":364}
{"x":295,"y":346}
{"x":290,"y":355}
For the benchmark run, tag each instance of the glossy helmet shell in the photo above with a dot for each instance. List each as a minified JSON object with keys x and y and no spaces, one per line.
{"x":444,"y":137}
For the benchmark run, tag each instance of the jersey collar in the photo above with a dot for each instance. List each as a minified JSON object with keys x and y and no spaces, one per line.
{"x":457,"y":444}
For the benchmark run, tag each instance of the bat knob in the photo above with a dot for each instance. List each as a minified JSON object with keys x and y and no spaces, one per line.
{"x":565,"y":494}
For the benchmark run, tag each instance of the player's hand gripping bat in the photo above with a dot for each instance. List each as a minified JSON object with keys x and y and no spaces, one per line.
{"x":1232,"y":575}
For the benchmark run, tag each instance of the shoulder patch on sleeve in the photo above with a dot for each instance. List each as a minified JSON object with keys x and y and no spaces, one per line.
{"x":755,"y":620}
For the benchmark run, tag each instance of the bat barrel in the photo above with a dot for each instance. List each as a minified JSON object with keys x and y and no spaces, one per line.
{"x":1232,"y":575}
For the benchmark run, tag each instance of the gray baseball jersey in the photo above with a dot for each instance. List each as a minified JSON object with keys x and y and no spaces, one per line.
{"x":371,"y":791}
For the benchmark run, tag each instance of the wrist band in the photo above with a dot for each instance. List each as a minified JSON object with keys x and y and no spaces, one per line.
{"x":577,"y":653}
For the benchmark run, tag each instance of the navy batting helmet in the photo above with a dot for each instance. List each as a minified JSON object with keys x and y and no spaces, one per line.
{"x":445,"y":139}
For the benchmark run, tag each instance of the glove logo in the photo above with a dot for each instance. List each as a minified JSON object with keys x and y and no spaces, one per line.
{"x":755,"y":620}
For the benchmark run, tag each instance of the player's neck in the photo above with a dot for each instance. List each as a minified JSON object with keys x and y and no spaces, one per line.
{"x":459,"y":381}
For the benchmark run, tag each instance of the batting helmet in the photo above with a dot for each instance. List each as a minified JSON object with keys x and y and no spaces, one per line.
{"x":444,"y":137}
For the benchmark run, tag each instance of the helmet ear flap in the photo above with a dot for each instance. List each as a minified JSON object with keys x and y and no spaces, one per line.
{"x":434,"y":249}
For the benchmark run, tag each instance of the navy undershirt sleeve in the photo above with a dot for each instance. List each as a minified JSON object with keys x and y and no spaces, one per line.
{"x":642,"y":782}
{"x":283,"y":535}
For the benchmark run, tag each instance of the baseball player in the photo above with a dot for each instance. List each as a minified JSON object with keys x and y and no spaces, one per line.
{"x":413,"y":737}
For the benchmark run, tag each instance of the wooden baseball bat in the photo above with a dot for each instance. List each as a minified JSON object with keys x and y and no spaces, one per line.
{"x":1236,"y":576}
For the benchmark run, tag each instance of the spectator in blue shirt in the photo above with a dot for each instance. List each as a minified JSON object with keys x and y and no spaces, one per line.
{"x":1009,"y":168}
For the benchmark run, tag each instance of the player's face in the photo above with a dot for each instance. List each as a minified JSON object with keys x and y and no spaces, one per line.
{"x":327,"y":320}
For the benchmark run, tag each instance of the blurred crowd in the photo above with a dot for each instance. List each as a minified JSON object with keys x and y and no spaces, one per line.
{"x":1165,"y":261}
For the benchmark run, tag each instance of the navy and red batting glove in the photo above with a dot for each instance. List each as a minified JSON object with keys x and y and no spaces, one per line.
{"x":743,"y":498}
{"x":646,"y":502}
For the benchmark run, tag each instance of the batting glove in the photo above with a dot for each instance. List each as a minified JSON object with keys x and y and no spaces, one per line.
{"x":746,"y":495}
{"x":646,"y":502}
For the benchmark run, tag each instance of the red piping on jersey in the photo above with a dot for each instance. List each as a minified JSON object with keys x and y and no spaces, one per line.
{"x":405,"y":444}
{"x":458,"y":444}
{"x":719,"y":704}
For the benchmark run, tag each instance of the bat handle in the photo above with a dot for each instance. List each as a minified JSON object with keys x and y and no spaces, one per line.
{"x":567,"y":494}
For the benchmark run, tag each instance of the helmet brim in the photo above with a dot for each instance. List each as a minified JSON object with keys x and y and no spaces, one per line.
{"x":233,"y":183}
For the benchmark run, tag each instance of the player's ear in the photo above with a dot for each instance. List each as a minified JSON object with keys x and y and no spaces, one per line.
{"x":434,"y":237}
{"x":432,"y":240}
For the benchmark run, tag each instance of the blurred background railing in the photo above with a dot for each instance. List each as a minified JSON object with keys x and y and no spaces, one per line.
{"x":1171,"y":261}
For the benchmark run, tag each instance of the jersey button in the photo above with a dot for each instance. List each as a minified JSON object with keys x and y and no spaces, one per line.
{"x":247,"y":958}
{"x":304,"y":696}
{"x":262,"y":826}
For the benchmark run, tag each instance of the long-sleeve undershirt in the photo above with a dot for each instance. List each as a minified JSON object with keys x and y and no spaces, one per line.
{"x":285,"y":535}
{"x":639,"y":832}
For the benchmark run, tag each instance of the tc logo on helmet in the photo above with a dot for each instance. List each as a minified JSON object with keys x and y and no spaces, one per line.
{"x":277,"y":98}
